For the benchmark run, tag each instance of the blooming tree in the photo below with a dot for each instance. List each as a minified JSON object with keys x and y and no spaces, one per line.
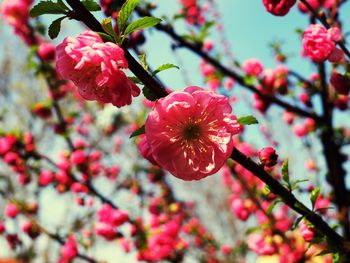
{"x":121,"y":160}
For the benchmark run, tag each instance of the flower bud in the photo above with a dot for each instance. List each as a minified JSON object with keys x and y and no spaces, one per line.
{"x":340,"y":83}
{"x":268,"y":156}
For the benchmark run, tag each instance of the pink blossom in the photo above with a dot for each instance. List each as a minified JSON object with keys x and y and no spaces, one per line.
{"x":45,"y":177}
{"x":70,"y":249}
{"x":105,"y":230}
{"x":96,"y":69}
{"x":310,"y":124}
{"x":322,"y":203}
{"x":26,"y":226}
{"x":62,"y":177}
{"x":315,"y":4}
{"x":190,"y":132}
{"x":214,"y":84}
{"x":206,"y":69}
{"x":11,"y":210}
{"x":239,"y":209}
{"x":77,"y":187}
{"x":275,"y":80}
{"x":16,"y":12}
{"x":253,"y":67}
{"x":79,"y":157}
{"x":145,"y":150}
{"x":319,"y":43}
{"x":300,"y":130}
{"x":341,"y":83}
{"x":307,"y":232}
{"x":114,"y":217}
{"x":225,"y":249}
{"x":288,"y":117}
{"x":278,"y":7}
{"x":268,"y":156}
{"x":229,"y":83}
{"x":46,"y":51}
{"x":305,"y":98}
{"x":6,"y":143}
{"x":329,"y":3}
{"x":310,"y":164}
{"x":208,"y":45}
{"x":2,"y":227}
{"x":11,"y":158}
{"x":261,"y":245}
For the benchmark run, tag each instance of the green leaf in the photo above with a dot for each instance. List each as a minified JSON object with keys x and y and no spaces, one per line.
{"x":204,"y":30}
{"x":149,"y":94}
{"x":285,"y":171}
{"x":249,"y":80}
{"x":272,"y":206}
{"x":108,"y":27}
{"x":91,"y":5}
{"x":143,"y":61}
{"x":314,"y":195}
{"x":164,"y":67}
{"x":125,"y":13}
{"x":138,"y":132}
{"x":247,"y":120}
{"x":55,"y":27}
{"x":296,"y":223}
{"x":48,"y":7}
{"x":252,"y":230}
{"x":105,"y":36}
{"x":135,"y":80}
{"x":336,"y":258}
{"x":141,"y":23}
{"x":295,"y":185}
{"x":324,"y":208}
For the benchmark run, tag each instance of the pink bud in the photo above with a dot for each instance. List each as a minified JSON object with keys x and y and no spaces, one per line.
{"x":46,"y":51}
{"x":268,"y":156}
{"x":208,"y":45}
{"x":11,"y":210}
{"x":306,"y":232}
{"x":340,"y":83}
{"x":45,"y":178}
{"x":2,"y":227}
{"x":78,"y":157}
{"x":69,"y":250}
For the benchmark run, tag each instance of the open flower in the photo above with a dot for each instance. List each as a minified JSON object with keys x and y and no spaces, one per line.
{"x":190,"y":132}
{"x":96,"y":69}
{"x":319,"y":43}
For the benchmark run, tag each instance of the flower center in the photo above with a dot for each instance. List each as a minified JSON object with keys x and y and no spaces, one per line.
{"x":192,"y":131}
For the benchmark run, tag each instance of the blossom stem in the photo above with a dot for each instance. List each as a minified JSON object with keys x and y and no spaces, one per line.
{"x":289,"y":199}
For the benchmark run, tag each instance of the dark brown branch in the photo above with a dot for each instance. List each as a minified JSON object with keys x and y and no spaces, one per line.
{"x":333,"y":156}
{"x":289,"y":199}
{"x":61,"y":241}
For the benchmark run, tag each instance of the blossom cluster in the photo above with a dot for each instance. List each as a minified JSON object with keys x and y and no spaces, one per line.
{"x":320,"y":44}
{"x":96,"y":68}
{"x":192,"y":12}
{"x":16,"y":14}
